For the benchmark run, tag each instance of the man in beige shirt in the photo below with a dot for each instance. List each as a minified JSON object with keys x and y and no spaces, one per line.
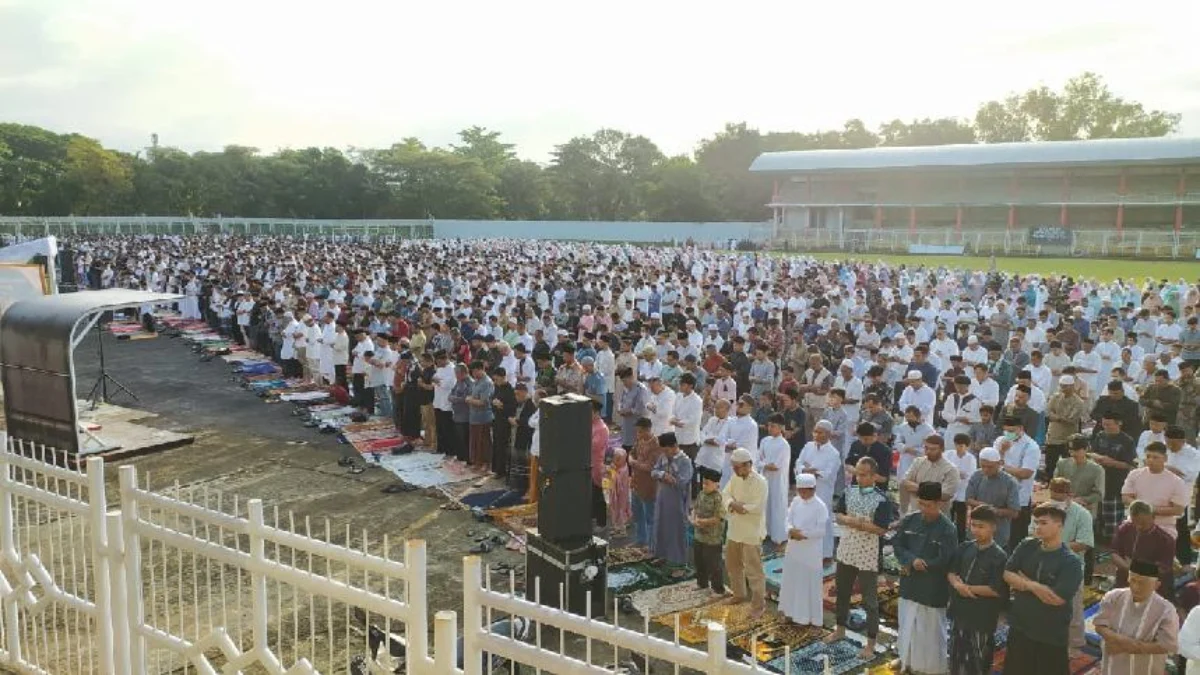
{"x":1066,"y":411}
{"x":933,"y":467}
{"x":745,"y":498}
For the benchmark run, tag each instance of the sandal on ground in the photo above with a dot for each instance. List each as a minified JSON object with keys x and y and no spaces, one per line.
{"x":481,"y":547}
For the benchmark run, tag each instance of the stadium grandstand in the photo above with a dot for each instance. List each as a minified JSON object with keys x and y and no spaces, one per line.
{"x":1048,"y":191}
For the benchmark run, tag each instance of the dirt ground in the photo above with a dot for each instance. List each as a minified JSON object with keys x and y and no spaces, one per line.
{"x":253,"y":449}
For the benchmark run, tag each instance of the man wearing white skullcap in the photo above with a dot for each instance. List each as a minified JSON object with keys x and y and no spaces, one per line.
{"x":996,"y":488}
{"x":745,"y":498}
{"x":919,"y":395}
{"x":800,"y":596}
{"x":1065,"y":412}
{"x":818,"y":458}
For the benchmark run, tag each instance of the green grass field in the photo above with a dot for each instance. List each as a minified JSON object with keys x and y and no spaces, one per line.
{"x":1099,"y":269}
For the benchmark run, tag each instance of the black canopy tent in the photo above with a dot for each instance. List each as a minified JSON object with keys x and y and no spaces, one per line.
{"x":38,"y":338}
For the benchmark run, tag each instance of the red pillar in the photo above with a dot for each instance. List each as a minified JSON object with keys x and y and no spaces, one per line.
{"x":878,"y":217}
{"x":912,"y":220}
{"x":1121,"y":188}
{"x":1180,"y":191}
{"x":1066,"y":196}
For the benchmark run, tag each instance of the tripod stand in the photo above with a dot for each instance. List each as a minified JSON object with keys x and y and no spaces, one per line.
{"x":99,"y":391}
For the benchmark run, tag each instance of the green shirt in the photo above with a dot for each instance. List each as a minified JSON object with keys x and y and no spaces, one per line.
{"x":1059,"y":570}
{"x":1087,"y":481}
{"x":933,"y":541}
{"x":709,"y":505}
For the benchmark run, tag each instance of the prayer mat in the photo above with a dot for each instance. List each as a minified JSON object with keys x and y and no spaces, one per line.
{"x":734,"y":616}
{"x":842,"y":656}
{"x":427,"y":469}
{"x":380,"y":445}
{"x":773,"y":568}
{"x":623,"y":555}
{"x":673,"y":598}
{"x":492,"y":499}
{"x":889,"y":602}
{"x":374,"y":424}
{"x":353,"y":437}
{"x":1085,"y":664}
{"x":1092,"y":595}
{"x":638,"y":576}
{"x":1089,"y":625}
{"x":774,"y":641}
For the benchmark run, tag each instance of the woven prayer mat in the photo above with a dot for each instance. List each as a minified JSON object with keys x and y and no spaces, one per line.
{"x":366,"y":447}
{"x":622,"y":555}
{"x":734,"y":616}
{"x":889,"y":602}
{"x":1092,"y":595}
{"x":374,"y":424}
{"x":638,"y":576}
{"x":1086,"y":663}
{"x":842,"y":657}
{"x":777,"y":639}
{"x":673,"y":598}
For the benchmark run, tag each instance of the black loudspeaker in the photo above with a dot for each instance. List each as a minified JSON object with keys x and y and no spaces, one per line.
{"x":565,"y":506}
{"x":553,"y":571}
{"x":566,"y":433}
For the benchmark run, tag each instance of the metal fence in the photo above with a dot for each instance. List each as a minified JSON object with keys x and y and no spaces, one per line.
{"x":1086,"y":243}
{"x":187,"y":579}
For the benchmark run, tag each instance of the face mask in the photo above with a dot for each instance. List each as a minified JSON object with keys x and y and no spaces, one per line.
{"x":1010,"y":435}
{"x":866,"y":488}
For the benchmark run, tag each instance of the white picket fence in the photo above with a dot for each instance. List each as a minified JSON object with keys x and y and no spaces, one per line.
{"x":188,"y":580}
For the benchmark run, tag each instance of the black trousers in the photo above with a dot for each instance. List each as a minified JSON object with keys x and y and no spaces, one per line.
{"x":462,"y":445}
{"x":238,"y":336}
{"x":339,"y":374}
{"x":708,"y":566}
{"x":366,"y":400}
{"x":1183,"y":542}
{"x":447,"y":440}
{"x":1024,"y":656}
{"x":1053,"y":454}
{"x":501,"y":445}
{"x":1020,"y":528}
{"x":360,"y":386}
{"x":397,"y":407}
{"x":599,"y":507}
{"x":868,"y":583}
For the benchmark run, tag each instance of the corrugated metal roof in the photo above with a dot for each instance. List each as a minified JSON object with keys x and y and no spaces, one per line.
{"x":1057,"y":153}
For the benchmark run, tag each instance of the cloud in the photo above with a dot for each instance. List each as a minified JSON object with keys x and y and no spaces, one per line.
{"x":270,"y":74}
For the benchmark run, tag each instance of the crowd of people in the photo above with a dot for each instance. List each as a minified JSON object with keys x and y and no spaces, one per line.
{"x":1011,"y":438}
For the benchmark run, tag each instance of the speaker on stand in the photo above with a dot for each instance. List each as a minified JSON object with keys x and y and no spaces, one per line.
{"x":564,"y":564}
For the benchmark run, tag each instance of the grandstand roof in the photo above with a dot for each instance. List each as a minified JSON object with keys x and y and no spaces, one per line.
{"x":1167,"y":150}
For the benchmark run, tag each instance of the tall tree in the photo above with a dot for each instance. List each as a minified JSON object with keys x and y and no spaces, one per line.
{"x":484,"y":145}
{"x":941,"y":131}
{"x":680,"y":190}
{"x":1085,"y":108}
{"x":603,"y":176}
{"x":96,"y":181}
{"x":434,"y":183}
{"x":524,"y":191}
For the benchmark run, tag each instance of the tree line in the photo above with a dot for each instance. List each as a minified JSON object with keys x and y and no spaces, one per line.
{"x":609,"y":175}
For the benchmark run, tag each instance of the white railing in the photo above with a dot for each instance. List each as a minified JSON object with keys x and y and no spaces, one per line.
{"x":190,"y":580}
{"x":187,"y":579}
{"x":55,"y":572}
{"x":255,"y":581}
{"x":562,"y":642}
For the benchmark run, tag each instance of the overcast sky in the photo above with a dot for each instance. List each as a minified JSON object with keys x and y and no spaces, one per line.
{"x":341,"y":73}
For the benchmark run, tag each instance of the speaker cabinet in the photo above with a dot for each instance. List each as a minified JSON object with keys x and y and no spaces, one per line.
{"x":565,"y":506}
{"x":563,"y":576}
{"x":566,"y":433}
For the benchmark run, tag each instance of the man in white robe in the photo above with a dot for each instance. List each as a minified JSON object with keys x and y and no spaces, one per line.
{"x":820,"y":459}
{"x":774,"y":455}
{"x":800,"y":594}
